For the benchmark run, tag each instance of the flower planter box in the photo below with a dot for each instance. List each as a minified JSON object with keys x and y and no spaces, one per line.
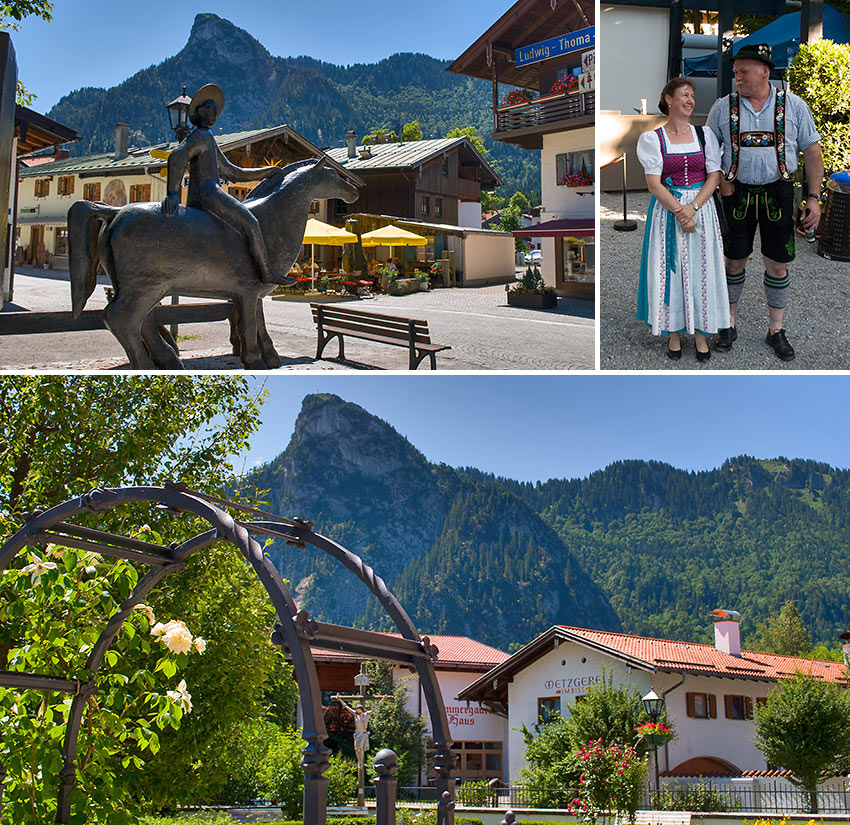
{"x":404,"y":286}
{"x":656,"y":740}
{"x":518,"y":299}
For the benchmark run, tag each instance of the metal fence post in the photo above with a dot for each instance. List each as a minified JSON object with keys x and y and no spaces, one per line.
{"x":386,"y":787}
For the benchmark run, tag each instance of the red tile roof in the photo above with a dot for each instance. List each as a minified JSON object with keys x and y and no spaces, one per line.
{"x":665,"y":654}
{"x":454,"y":651}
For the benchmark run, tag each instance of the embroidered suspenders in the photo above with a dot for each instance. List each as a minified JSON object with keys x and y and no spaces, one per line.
{"x":775,"y":138}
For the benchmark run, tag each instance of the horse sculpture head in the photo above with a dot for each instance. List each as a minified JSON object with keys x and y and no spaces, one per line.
{"x":322,"y":181}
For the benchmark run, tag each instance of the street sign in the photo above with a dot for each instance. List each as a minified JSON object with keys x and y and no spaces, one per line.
{"x":587,"y":81}
{"x":588,"y":61}
{"x":554,"y":47}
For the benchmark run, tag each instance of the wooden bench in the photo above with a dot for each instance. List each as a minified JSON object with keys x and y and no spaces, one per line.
{"x":336,"y":322}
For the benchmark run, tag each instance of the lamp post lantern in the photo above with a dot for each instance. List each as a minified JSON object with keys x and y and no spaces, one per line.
{"x":653,"y":704}
{"x":178,"y":115}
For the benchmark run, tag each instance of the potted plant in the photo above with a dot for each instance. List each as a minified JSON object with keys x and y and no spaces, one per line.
{"x":655,"y":734}
{"x":422,"y":277}
{"x":531,"y":291}
{"x":323,"y":283}
{"x":437,"y":271}
{"x":518,"y":96}
{"x":575,"y":179}
{"x":564,"y":84}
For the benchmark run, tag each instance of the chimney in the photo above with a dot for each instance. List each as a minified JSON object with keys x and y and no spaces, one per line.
{"x":727,"y":631}
{"x":351,"y":141}
{"x":60,"y":154}
{"x":122,"y":139}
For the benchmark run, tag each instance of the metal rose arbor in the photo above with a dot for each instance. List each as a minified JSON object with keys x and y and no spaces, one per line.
{"x":296,"y":631}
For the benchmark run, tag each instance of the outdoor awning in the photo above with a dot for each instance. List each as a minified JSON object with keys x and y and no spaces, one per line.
{"x":576,"y":227}
{"x":319,"y":232}
{"x":392,"y":235}
{"x":41,"y":220}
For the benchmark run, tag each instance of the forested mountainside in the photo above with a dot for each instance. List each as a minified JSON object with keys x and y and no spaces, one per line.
{"x":320,"y":100}
{"x":666,"y":545}
{"x":639,"y":546}
{"x":465,"y":557}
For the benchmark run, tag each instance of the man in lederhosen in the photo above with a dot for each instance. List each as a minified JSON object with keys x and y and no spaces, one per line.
{"x":761,"y":129}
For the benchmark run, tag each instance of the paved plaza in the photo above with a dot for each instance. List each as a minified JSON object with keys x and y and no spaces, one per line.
{"x":483,"y":331}
{"x":817,"y":318}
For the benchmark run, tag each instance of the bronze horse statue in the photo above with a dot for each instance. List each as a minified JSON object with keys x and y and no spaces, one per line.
{"x":148,"y":257}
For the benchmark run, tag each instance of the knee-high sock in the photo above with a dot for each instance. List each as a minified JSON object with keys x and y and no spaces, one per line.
{"x":776,"y":290}
{"x":735,"y":286}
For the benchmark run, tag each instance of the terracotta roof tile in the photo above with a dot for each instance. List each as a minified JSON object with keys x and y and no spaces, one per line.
{"x":667,"y":654}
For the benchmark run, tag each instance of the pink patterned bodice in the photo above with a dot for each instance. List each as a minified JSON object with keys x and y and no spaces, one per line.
{"x":683,"y":169}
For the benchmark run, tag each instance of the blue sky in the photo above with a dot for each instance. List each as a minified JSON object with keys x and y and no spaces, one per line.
{"x":102,"y":42}
{"x":539,"y":427}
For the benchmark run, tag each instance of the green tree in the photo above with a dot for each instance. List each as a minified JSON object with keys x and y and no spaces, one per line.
{"x":804,"y":727}
{"x":784,"y":634}
{"x":520,"y":200}
{"x":609,"y":714}
{"x":11,"y":15}
{"x":411,"y":131}
{"x":490,"y":201}
{"x":471,"y":132}
{"x":550,"y":761}
{"x":380,"y":136}
{"x":820,"y":74}
{"x":66,"y":435}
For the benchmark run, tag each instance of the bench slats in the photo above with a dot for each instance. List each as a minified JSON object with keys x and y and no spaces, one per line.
{"x":337,"y":322}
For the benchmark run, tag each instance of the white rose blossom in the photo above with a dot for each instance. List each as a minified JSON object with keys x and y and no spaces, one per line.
{"x":178,"y":639}
{"x":36,"y":567}
{"x":200,"y":644}
{"x":182,"y":696}
{"x":147,"y":610}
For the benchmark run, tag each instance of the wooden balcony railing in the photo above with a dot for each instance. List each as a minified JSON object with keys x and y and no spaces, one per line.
{"x":544,"y":110}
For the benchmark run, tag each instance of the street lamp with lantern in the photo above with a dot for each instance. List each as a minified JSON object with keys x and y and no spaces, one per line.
{"x":653,"y":704}
{"x":178,"y":115}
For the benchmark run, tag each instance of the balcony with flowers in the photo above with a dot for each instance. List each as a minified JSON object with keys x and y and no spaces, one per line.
{"x":523,"y":114}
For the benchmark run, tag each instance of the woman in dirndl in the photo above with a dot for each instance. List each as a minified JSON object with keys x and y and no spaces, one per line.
{"x":682,"y":274}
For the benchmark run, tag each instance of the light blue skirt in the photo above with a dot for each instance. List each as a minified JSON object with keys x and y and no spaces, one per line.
{"x":682,"y":284}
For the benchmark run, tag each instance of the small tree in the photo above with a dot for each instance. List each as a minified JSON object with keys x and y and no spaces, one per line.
{"x":804,"y":727}
{"x":609,"y":714}
{"x":784,"y":634}
{"x":550,"y":763}
{"x":820,"y":74}
{"x":411,"y":131}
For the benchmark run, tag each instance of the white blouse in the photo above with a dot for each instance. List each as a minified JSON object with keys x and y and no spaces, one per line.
{"x":649,"y":150}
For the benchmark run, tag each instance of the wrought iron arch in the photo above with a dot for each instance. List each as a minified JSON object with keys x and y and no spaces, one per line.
{"x":296,"y":631}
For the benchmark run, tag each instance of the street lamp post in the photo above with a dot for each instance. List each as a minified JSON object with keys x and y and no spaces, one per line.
{"x":653,"y":704}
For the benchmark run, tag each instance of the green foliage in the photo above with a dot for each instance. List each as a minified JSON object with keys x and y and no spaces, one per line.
{"x":411,"y":131}
{"x":608,"y":714}
{"x":476,"y":794}
{"x":490,"y":201}
{"x":804,"y":727}
{"x":820,"y":74}
{"x":550,"y":763}
{"x":14,"y":12}
{"x":380,"y":136}
{"x":281,"y":774}
{"x":58,"y":603}
{"x":532,"y":283}
{"x":611,"y":783}
{"x":391,"y":726}
{"x":697,"y":797}
{"x":471,"y":132}
{"x":342,"y":781}
{"x":784,"y":634}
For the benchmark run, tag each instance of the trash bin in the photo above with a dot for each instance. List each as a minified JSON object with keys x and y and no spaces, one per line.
{"x":834,"y":242}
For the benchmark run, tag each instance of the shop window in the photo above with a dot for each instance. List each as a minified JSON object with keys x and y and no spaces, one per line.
{"x":548,"y":708}
{"x":477,"y":761}
{"x":42,"y":188}
{"x":438,"y":207}
{"x":65,"y":185}
{"x":140,"y":193}
{"x":61,"y":246}
{"x":701,"y":705}
{"x":738,"y":707}
{"x":91,"y":191}
{"x":426,"y":204}
{"x":239,"y":192}
{"x":340,"y":207}
{"x":574,"y":169}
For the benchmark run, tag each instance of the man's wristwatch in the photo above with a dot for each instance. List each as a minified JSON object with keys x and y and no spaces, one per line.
{"x":811,"y":195}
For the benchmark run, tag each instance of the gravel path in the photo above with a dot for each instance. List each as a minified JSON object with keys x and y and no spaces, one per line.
{"x":817,"y":319}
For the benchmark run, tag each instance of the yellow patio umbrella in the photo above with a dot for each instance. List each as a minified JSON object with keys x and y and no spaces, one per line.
{"x":391,"y":235}
{"x":319,"y":232}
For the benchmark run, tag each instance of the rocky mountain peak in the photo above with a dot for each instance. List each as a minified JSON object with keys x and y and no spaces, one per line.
{"x":216,"y":37}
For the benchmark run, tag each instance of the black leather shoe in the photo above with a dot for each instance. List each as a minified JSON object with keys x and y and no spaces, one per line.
{"x":780,"y":345}
{"x":674,"y":354}
{"x":724,"y":338}
{"x":702,"y":356}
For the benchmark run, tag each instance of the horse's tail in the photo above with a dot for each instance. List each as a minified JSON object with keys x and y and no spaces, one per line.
{"x":85,"y":220}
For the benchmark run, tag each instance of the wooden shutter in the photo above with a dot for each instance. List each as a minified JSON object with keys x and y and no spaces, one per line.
{"x":712,"y":706}
{"x":689,"y":701}
{"x":730,"y":713}
{"x":748,"y":707}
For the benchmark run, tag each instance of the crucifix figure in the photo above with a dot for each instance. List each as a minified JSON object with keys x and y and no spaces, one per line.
{"x":361,"y":727}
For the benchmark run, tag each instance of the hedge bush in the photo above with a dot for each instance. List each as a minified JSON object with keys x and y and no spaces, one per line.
{"x":820,"y":74}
